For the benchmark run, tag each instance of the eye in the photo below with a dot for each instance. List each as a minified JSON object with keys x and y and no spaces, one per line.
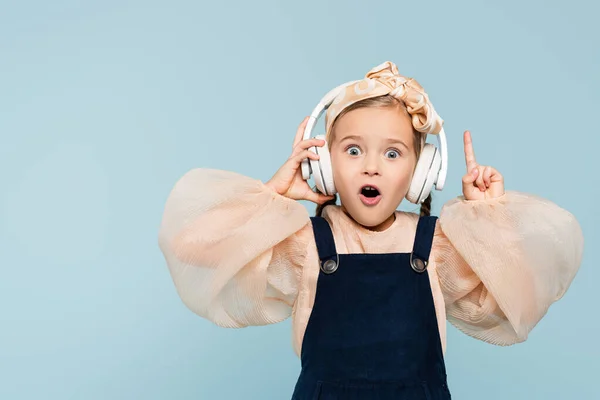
{"x":392,"y":153}
{"x":353,"y":150}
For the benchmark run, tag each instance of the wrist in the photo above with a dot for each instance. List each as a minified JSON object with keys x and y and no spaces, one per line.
{"x":272,"y":187}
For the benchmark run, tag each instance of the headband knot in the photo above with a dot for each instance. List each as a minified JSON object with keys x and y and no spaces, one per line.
{"x":385,"y":79}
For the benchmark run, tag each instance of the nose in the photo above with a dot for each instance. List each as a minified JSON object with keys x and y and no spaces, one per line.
{"x":371,"y":165}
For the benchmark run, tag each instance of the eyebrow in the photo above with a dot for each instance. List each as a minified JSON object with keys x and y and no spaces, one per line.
{"x":389,"y":140}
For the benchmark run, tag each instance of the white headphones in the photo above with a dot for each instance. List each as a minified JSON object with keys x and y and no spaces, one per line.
{"x":431,"y":169}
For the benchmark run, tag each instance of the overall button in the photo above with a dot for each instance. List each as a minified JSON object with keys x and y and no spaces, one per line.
{"x":329,"y":266}
{"x":418,"y":265}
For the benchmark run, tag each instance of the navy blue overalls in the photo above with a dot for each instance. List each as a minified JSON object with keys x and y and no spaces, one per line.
{"x":373,"y":331}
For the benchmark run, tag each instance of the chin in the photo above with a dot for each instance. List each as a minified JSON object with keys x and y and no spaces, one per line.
{"x":370,"y":217}
{"x":370,"y":222}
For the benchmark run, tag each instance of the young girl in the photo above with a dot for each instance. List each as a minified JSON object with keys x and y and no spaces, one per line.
{"x":369,"y":287}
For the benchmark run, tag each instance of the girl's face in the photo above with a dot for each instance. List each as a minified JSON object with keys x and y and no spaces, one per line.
{"x":373,"y":159}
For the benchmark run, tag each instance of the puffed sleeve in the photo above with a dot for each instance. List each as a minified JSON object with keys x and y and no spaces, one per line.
{"x":502,"y":262}
{"x":234,"y":247}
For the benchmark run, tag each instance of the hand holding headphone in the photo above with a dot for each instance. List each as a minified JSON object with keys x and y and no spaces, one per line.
{"x":431,"y":169}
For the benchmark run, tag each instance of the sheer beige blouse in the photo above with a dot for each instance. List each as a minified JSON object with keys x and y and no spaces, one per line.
{"x":240,"y":254}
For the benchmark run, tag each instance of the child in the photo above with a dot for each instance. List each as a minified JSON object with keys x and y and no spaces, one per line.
{"x":369,"y":288}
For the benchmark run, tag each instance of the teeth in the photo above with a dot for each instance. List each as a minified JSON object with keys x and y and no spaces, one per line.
{"x":370,"y":191}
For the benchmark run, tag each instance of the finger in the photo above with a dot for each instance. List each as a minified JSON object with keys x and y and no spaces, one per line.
{"x":305,"y":144}
{"x":496,"y":176}
{"x":479,"y":181}
{"x":297,"y":159}
{"x":300,"y":131}
{"x":487,"y":175}
{"x":469,"y":178}
{"x":469,"y":152}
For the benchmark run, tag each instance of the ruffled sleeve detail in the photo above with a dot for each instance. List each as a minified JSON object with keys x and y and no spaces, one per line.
{"x":503,"y":262}
{"x":234,"y":247}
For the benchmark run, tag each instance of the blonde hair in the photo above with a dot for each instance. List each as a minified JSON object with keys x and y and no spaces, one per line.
{"x":385,"y":101}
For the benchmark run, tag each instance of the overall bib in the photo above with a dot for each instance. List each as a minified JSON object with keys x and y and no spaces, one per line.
{"x":373,"y":332}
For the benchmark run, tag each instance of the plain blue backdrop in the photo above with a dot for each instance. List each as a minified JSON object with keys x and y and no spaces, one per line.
{"x":105,"y":104}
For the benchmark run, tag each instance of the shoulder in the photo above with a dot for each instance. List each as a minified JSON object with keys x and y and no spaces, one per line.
{"x":334,"y":215}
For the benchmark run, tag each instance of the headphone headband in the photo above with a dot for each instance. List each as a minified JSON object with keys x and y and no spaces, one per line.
{"x":326,"y":102}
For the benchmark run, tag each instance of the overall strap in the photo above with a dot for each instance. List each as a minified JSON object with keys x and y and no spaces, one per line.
{"x":325,"y":244}
{"x":419,"y":258}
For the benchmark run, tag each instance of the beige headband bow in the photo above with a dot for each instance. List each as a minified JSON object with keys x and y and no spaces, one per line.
{"x":385,"y":79}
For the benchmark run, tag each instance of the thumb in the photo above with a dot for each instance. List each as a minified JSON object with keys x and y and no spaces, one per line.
{"x":318,"y":197}
{"x":471,"y":176}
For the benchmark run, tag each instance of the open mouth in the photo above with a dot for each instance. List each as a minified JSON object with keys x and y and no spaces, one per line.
{"x":370,"y":195}
{"x":369,"y":191}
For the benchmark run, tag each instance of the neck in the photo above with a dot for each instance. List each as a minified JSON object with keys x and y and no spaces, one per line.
{"x":385,"y":224}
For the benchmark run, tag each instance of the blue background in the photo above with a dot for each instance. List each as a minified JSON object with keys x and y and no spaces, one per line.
{"x":105,"y":104}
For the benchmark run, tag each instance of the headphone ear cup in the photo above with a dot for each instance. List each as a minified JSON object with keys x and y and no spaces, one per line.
{"x":425,"y":174}
{"x":321,"y":168}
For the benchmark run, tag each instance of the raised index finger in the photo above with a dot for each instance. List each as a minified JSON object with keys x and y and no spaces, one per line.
{"x":469,"y":152}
